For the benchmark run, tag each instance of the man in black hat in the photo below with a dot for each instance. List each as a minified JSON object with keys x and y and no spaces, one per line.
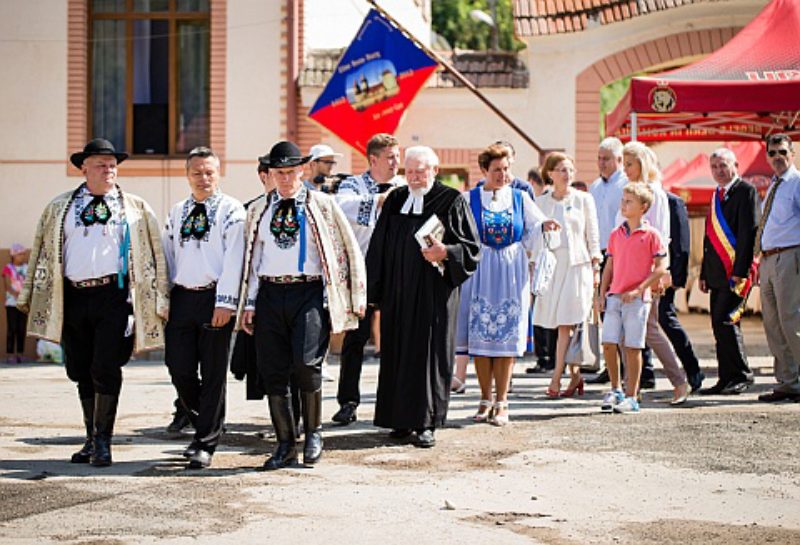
{"x":304,"y":277}
{"x":204,"y":246}
{"x":97,"y":258}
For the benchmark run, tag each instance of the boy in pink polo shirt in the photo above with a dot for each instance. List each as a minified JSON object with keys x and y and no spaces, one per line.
{"x":636,"y":262}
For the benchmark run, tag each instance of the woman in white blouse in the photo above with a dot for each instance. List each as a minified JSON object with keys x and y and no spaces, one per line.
{"x":568,"y":300}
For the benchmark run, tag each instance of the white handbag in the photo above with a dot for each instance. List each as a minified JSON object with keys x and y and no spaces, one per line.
{"x":544,"y":265}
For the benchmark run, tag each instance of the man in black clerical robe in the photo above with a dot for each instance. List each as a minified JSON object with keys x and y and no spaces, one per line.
{"x":418,"y":303}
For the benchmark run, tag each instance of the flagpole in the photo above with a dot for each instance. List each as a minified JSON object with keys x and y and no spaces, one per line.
{"x":459,"y":76}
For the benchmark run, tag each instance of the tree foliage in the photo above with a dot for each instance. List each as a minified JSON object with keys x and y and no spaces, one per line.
{"x":452,"y":21}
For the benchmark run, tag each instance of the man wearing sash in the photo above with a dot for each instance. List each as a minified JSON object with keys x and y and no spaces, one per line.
{"x":726,"y":269}
{"x":204,"y":247}
{"x":98,"y":286}
{"x":303,"y":278}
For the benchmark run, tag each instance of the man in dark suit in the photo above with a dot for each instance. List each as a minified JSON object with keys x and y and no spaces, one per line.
{"x":679,"y":248}
{"x":738,"y":203}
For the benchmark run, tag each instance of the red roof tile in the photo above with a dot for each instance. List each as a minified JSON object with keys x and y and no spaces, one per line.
{"x":499,"y":69}
{"x":541,"y":17}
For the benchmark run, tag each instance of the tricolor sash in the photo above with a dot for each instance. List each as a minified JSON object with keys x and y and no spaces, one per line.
{"x":724,"y":243}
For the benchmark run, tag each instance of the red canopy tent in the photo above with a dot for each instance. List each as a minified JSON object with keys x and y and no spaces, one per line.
{"x":745,"y":90}
{"x":673,"y":171}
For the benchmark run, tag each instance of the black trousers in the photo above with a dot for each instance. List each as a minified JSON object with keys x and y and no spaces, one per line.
{"x":93,"y":337}
{"x":678,"y":338}
{"x":192,"y":345}
{"x":16,"y":324}
{"x":731,"y":356}
{"x":544,"y":346}
{"x":352,"y":360}
{"x":292,"y":331}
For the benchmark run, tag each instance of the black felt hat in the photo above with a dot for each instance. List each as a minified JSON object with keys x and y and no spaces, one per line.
{"x":284,"y":154}
{"x":98,"y":146}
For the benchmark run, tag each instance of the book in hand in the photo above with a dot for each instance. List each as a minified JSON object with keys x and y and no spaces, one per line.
{"x":432,"y":230}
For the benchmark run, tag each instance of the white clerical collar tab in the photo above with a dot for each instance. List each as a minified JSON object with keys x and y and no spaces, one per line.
{"x":417,"y":202}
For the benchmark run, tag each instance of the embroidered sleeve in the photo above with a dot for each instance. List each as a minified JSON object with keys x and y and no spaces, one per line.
{"x":233,"y":248}
{"x":252,"y":282}
{"x":357,"y":202}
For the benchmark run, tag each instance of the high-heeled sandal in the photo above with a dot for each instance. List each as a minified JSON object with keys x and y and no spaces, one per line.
{"x":553,"y":394}
{"x":460,"y":387}
{"x":482,"y":416}
{"x":571,"y":390}
{"x":499,"y":419}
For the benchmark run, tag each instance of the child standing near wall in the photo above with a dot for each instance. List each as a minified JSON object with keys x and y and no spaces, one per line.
{"x":13,"y":277}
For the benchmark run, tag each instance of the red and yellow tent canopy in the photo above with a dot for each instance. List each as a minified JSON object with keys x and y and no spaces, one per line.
{"x":745,"y":90}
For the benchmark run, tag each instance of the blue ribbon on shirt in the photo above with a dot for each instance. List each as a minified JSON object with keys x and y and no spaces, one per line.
{"x":123,"y":255}
{"x":301,"y":257}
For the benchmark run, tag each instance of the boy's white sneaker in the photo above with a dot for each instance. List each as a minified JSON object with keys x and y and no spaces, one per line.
{"x":611,"y":399}
{"x":629,"y":405}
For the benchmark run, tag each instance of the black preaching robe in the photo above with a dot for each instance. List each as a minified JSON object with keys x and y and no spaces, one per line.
{"x":418,"y":306}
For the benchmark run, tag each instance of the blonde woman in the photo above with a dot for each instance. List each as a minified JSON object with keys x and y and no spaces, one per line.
{"x":568,"y":301}
{"x":641,"y":166}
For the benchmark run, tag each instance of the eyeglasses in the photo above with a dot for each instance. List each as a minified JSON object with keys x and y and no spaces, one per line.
{"x":774,"y":152}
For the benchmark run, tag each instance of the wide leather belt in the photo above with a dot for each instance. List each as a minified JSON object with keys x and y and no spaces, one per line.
{"x":773,"y":251}
{"x":291,"y":279}
{"x":93,"y":282}
{"x":207,"y":287}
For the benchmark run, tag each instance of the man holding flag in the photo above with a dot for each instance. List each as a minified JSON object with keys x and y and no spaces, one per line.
{"x":727,"y":267}
{"x":361,"y":198}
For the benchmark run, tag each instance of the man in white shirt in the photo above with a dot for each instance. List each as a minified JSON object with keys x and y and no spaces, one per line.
{"x":304,"y":277}
{"x":90,"y":243}
{"x":607,"y":188}
{"x":607,"y":193}
{"x":361,"y":198}
{"x":778,"y":242}
{"x":204,"y":245}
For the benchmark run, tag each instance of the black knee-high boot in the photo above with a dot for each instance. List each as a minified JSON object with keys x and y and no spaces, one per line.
{"x":105,"y":412}
{"x":312,"y":423}
{"x":280,"y":410}
{"x":84,"y":455}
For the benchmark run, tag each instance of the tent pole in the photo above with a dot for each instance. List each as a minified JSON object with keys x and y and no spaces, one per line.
{"x":634,"y":128}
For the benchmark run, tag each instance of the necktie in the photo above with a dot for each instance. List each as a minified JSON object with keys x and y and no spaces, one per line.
{"x":721,"y":192}
{"x":196,"y":224}
{"x":284,"y":224}
{"x":97,"y":211}
{"x":765,"y":215}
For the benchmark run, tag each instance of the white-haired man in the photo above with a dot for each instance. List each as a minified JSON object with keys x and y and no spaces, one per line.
{"x":727,"y":258}
{"x":607,"y":193}
{"x":416,"y":291}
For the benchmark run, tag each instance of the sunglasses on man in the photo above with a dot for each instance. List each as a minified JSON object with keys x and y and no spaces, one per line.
{"x":774,"y":152}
